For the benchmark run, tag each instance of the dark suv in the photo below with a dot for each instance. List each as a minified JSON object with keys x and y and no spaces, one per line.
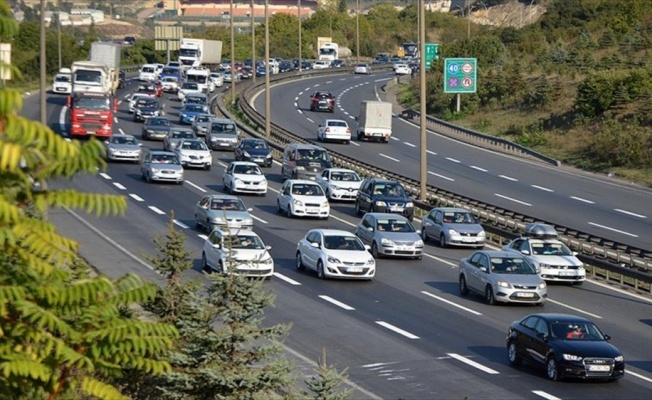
{"x":322,"y":100}
{"x":384,"y":196}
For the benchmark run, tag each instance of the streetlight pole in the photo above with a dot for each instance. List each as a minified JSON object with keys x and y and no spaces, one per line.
{"x":253,"y":43}
{"x":59,"y":31}
{"x":468,"y":20}
{"x":268,"y":100}
{"x":43,"y":104}
{"x":299,"y":18}
{"x":422,"y":102}
{"x":357,"y":31}
{"x":233,"y":72}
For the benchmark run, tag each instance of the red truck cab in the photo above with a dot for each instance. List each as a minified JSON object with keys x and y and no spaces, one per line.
{"x":91,"y":114}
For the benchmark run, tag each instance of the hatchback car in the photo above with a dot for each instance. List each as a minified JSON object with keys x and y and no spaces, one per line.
{"x":362,"y":69}
{"x":335,"y":254}
{"x":321,"y":64}
{"x":254,"y":150}
{"x":322,"y":100}
{"x":187,"y":88}
{"x":194,"y":153}
{"x":189,"y":111}
{"x":122,"y":148}
{"x":147,"y":89}
{"x":161,"y":166}
{"x":244,"y":177}
{"x":170,"y":84}
{"x":339,"y":183}
{"x":334,"y":129}
{"x":237,"y":252}
{"x":156,"y":128}
{"x":566,"y":346}
{"x":175,"y":136}
{"x":200,"y":123}
{"x":503,"y":277}
{"x":145,"y":108}
{"x":222,"y":134}
{"x":302,"y":198}
{"x":402,"y":69}
{"x":221,"y":211}
{"x":382,"y":195}
{"x":390,"y":235}
{"x":453,"y":227}
{"x":134,"y":99}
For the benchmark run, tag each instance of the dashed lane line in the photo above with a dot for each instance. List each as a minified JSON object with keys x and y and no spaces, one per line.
{"x":156,"y":210}
{"x":574,"y":308}
{"x":336,"y":302}
{"x":136,"y":197}
{"x":512,"y":199}
{"x":451,"y":303}
{"x":201,"y":189}
{"x":612,"y":229}
{"x":389,"y":158}
{"x":397,"y":330}
{"x":286,"y":279}
{"x":105,"y":176}
{"x":545,"y":395}
{"x":119,"y":186}
{"x":545,"y":189}
{"x":582,"y":200}
{"x":181,"y":224}
{"x":473,"y":364}
{"x":441,"y":176}
{"x":509,"y":178}
{"x":629,"y":213}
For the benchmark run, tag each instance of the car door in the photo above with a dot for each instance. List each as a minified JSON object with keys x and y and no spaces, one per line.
{"x":364,"y":196}
{"x":474,"y":274}
{"x":146,"y":162}
{"x":201,"y":210}
{"x":312,"y":253}
{"x":363,"y":231}
{"x":323,"y":180}
{"x":428,"y":224}
{"x":283,"y":195}
{"x":228,"y":176}
{"x":213,"y":251}
{"x":525,"y":339}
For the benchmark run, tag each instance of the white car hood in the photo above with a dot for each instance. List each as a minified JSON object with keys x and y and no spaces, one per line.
{"x":346,"y":184}
{"x":186,"y":153}
{"x":309,"y":199}
{"x":356,"y":256}
{"x":570,"y":261}
{"x":250,"y":177}
{"x":256,"y":255}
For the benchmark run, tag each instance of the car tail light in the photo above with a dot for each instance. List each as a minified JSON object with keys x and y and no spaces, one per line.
{"x":348,"y":130}
{"x":328,"y":129}
{"x":315,"y":99}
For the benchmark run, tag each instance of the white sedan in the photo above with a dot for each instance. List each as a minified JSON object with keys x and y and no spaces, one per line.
{"x":402,"y":69}
{"x":334,"y":129}
{"x":339,"y":183}
{"x":237,"y":251}
{"x":362,"y":69}
{"x":244,"y":177}
{"x":335,"y":254}
{"x":194,"y":153}
{"x":302,"y":198}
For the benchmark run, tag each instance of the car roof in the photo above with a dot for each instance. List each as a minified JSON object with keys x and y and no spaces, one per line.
{"x":243,"y":163}
{"x":122,"y":135}
{"x":339,"y":170}
{"x":253,"y":140}
{"x":302,"y":181}
{"x":334,"y":232}
{"x":560,"y":317}
{"x":501,"y":253}
{"x":335,"y":120}
{"x":452,"y":209}
{"x":382,"y":180}
{"x":387,"y":215}
{"x":162,"y":152}
{"x":239,"y":232}
{"x":181,"y":128}
{"x":302,"y":146}
{"x":323,"y":92}
{"x":224,"y":196}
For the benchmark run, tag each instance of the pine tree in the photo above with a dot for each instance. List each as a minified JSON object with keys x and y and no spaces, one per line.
{"x":325,"y":385}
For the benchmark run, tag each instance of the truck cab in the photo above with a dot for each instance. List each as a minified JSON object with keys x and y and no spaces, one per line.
{"x":148,"y":72}
{"x":329,"y":52}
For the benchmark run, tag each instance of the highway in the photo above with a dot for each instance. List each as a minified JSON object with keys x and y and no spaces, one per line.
{"x":407,"y":334}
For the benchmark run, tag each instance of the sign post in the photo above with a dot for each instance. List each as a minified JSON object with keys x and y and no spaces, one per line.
{"x":432,"y":51}
{"x":460,"y":76}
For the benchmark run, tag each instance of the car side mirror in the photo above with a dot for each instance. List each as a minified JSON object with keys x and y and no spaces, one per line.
{"x":140,"y":144}
{"x":268,"y":248}
{"x":526,"y":252}
{"x":607,"y":337}
{"x":367,"y":247}
{"x":106,"y":142}
{"x":575,"y":253}
{"x":483,"y":269}
{"x":314,"y":244}
{"x":418,"y":231}
{"x":324,"y":178}
{"x":217,"y":246}
{"x":370,"y":229}
{"x":250,"y":209}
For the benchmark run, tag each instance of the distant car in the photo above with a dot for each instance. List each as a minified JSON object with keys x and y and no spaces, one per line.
{"x":221,"y":211}
{"x":362,"y":68}
{"x":335,"y":254}
{"x":175,"y":135}
{"x":147,"y":88}
{"x":254,"y":150}
{"x":566,"y":346}
{"x":244,"y":177}
{"x":334,"y":129}
{"x":222,"y":134}
{"x":170,"y":84}
{"x":188,"y":112}
{"x":322,"y":100}
{"x":453,"y":227}
{"x":195,"y":98}
{"x":402,"y":69}
{"x":122,"y":79}
{"x":302,"y":198}
{"x":554,"y":261}
{"x":187,"y":88}
{"x":501,"y":277}
{"x":228,"y":77}
{"x":156,"y":128}
{"x":390,"y":235}
{"x":338,"y":63}
{"x":320,"y":64}
{"x":217,"y":78}
{"x":158,"y":86}
{"x":129,"y":40}
{"x":134,"y":99}
{"x":339,"y":183}
{"x":161,"y":166}
{"x":383,"y":195}
{"x":200,"y":123}
{"x":285,"y":66}
{"x":62,"y":83}
{"x":194,"y":153}
{"x":122,"y":148}
{"x":145,"y":108}
{"x":237,"y":252}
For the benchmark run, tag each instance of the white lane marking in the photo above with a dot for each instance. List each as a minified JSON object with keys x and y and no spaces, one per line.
{"x":345,"y":112}
{"x":431,"y":152}
{"x":105,"y":176}
{"x":259,"y":219}
{"x":121,"y":131}
{"x":119,"y":186}
{"x":582,"y":200}
{"x":329,"y":82}
{"x":441,"y":176}
{"x":309,"y":119}
{"x":409,"y":144}
{"x":354,"y":143}
{"x":286,"y":279}
{"x":645,"y":378}
{"x":473,"y":364}
{"x":300,"y":93}
{"x":296,"y":105}
{"x":62,"y":121}
{"x":296,"y":99}
{"x":621,"y":291}
{"x":300,"y":112}
{"x":439,"y":259}
{"x":383,"y":79}
{"x":156,"y":210}
{"x":630,"y":213}
{"x":202,"y":236}
{"x":612,"y":229}
{"x":509,"y":178}
{"x":452,"y":159}
{"x":545,"y":189}
{"x":335,"y":302}
{"x":451,"y":303}
{"x":315,"y":85}
{"x":545,"y":395}
{"x":574,"y":308}
{"x":201,"y":189}
{"x":514,"y":200}
{"x":342,"y":220}
{"x":351,"y":116}
{"x":181,"y":224}
{"x":397,"y":330}
{"x":394,"y":138}
{"x":136,"y":197}
{"x":115,"y":119}
{"x":478,"y":168}
{"x":388,"y":157}
{"x":342,"y":79}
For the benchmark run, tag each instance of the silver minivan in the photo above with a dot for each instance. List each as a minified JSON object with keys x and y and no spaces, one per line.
{"x":222,"y":134}
{"x":304,"y":161}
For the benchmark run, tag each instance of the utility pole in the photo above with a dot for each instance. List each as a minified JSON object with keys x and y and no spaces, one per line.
{"x":59,"y":31}
{"x":234,"y":74}
{"x":299,"y":17}
{"x":357,"y":31}
{"x":268,"y":100}
{"x":253,"y":43}
{"x":422,"y":102}
{"x":43,"y":103}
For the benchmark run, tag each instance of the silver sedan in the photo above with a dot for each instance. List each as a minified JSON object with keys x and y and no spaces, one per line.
{"x":390,"y":235}
{"x":453,"y":227}
{"x":219,"y":211}
{"x":122,"y":148}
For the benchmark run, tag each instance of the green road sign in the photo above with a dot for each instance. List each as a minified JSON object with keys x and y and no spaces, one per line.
{"x":432,"y":51}
{"x":460,"y":75}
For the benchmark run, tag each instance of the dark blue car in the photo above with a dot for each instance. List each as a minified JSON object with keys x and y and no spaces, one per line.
{"x":172,"y":71}
{"x":188,"y":112}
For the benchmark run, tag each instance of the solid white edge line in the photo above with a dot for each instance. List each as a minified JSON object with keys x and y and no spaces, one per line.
{"x":440,"y":259}
{"x":388,"y":157}
{"x":286,"y":279}
{"x":545,"y":189}
{"x":582,"y":200}
{"x":473,"y":364}
{"x":336,"y":302}
{"x":629,"y":213}
{"x":136,"y":197}
{"x":511,"y":199}
{"x":201,"y":189}
{"x":645,"y":378}
{"x":451,"y":303}
{"x":574,"y":308}
{"x":397,"y":330}
{"x":181,"y":224}
{"x":509,"y":178}
{"x":545,"y":395}
{"x":156,"y":210}
{"x":259,"y":219}
{"x":612,"y":229}
{"x":621,"y":291}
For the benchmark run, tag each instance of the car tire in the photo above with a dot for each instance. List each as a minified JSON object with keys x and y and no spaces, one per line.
{"x":148,"y":178}
{"x":374,"y":251}
{"x":279,"y":210}
{"x":347,"y":142}
{"x":207,"y":167}
{"x":580,"y":283}
{"x":298,"y":262}
{"x":442,"y":241}
{"x":359,"y":137}
{"x":464,"y":290}
{"x":226,"y":188}
{"x":552,"y":370}
{"x":207,"y":228}
{"x":204,"y":263}
{"x":424,"y":235}
{"x":289,"y":211}
{"x":220,"y":267}
{"x":489,"y":297}
{"x":320,"y":270}
{"x":144,"y":136}
{"x":358,"y":211}
{"x":198,"y":224}
{"x":512,"y":354}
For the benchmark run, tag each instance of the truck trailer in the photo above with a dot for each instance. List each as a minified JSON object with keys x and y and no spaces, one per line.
{"x":375,"y":121}
{"x":108,"y":54}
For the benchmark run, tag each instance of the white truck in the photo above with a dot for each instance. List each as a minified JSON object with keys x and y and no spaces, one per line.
{"x":90,"y":77}
{"x":202,"y":77}
{"x":328,"y":52}
{"x":375,"y":121}
{"x":108,"y":54}
{"x":194,"y":53}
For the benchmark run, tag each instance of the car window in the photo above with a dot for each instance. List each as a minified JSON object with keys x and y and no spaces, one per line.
{"x":337,"y":123}
{"x":313,"y":237}
{"x":550,"y":249}
{"x":542,"y":327}
{"x":306,"y":189}
{"x":343,"y":243}
{"x":159,"y":122}
{"x":509,"y":265}
{"x":245,"y":242}
{"x":344,"y":176}
{"x":247,"y":170}
{"x":194,"y":145}
{"x":530,"y":322}
{"x":389,"y":189}
{"x":394,"y":225}
{"x":122,"y":140}
{"x":165,"y":159}
{"x":228,"y":204}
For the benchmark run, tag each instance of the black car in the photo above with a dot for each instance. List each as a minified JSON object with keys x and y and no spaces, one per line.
{"x":285,"y":66}
{"x":254,"y":150}
{"x":122,"y":79}
{"x":338,"y":63}
{"x":146,"y":107}
{"x":566,"y":346}
{"x":322,"y":100}
{"x":384,"y":196}
{"x":156,"y":128}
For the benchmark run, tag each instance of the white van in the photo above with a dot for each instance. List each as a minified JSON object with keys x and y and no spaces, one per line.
{"x":148,"y":72}
{"x":63,"y":81}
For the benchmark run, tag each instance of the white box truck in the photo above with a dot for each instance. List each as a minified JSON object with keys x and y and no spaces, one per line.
{"x":108,"y":54}
{"x":194,"y":53}
{"x":375,"y":121}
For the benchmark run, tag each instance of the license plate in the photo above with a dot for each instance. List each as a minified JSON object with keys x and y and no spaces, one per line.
{"x":354,"y":269}
{"x":566,"y":273}
{"x":90,"y":132}
{"x":312,"y":210}
{"x":468,"y":239}
{"x":600,"y":368}
{"x":223,"y":144}
{"x":378,"y":134}
{"x":402,"y":248}
{"x":524,"y":294}
{"x":396,"y":209}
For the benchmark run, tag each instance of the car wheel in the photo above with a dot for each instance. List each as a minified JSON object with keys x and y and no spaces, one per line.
{"x":204,"y":263}
{"x":220,"y":267}
{"x":320,"y":270}
{"x":279,"y":210}
{"x":512,"y":354}
{"x":148,"y":178}
{"x":144,"y":136}
{"x":374,"y":251}
{"x":226,"y":187}
{"x":295,"y":175}
{"x":347,"y":142}
{"x":552,"y":371}
{"x":464,"y":290}
{"x":489,"y":296}
{"x":207,"y":167}
{"x":578,"y":283}
{"x":197,"y":223}
{"x":357,"y":208}
{"x":289,"y":211}
{"x":424,"y":235}
{"x":442,"y":240}
{"x":208,"y":226}
{"x":298,"y":263}
{"x":359,"y":137}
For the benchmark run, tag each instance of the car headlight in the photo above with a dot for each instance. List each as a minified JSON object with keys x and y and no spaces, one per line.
{"x":324,"y":204}
{"x":154,"y":169}
{"x":248,"y":222}
{"x":453,"y":232}
{"x":619,"y":358}
{"x":300,"y":168}
{"x":267,"y":261}
{"x":543,"y":265}
{"x":333,"y":260}
{"x":269,"y":155}
{"x":504,"y":284}
{"x":418,"y":243}
{"x":237,"y":181}
{"x":371,"y":261}
{"x":246,"y":154}
{"x":297,"y":203}
{"x":335,"y":187}
{"x":218,"y":220}
{"x":542,"y":285}
{"x":381,"y":203}
{"x":409,"y":204}
{"x":386,"y":242}
{"x":481,"y":234}
{"x":571,"y":357}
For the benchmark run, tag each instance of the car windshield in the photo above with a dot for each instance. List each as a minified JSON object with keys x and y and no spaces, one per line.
{"x":194,"y":145}
{"x":165,"y":159}
{"x":312,"y":155}
{"x":202,"y":118}
{"x":389,"y":189}
{"x":218,"y":127}
{"x":255,"y":144}
{"x":184,"y":134}
{"x":306,"y":189}
{"x":337,"y":123}
{"x":196,"y":99}
{"x":62,"y":78}
{"x":92,"y":103}
{"x":244,"y":242}
{"x":158,"y":122}
{"x":550,"y":249}
{"x":345,"y":176}
{"x":247,"y":169}
{"x":146,"y":103}
{"x":170,"y":79}
{"x":194,"y":108}
{"x":394,"y":225}
{"x":227,"y":204}
{"x":460,"y":218}
{"x":343,"y":243}
{"x":512,"y":266}
{"x":123,"y":140}
{"x":579,"y":330}
{"x":190,"y":86}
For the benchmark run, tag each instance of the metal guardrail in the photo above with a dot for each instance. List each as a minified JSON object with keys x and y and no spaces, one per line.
{"x":610,"y":260}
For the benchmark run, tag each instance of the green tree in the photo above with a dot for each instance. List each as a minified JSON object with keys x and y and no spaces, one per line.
{"x":327,"y":382}
{"x":342,"y":6}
